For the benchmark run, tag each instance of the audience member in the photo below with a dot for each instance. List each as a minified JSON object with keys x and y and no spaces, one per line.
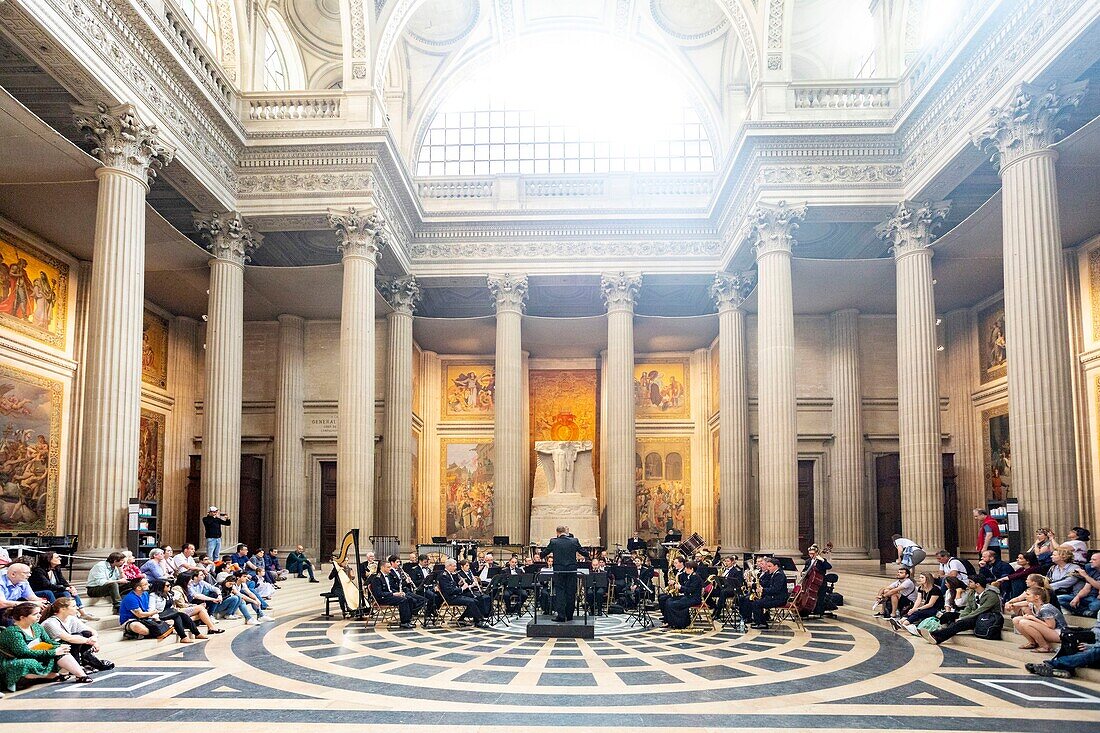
{"x":63,"y":622}
{"x":14,"y":589}
{"x":951,"y":567}
{"x":1086,"y":601}
{"x":299,"y":564}
{"x":161,"y":603}
{"x":981,"y":599}
{"x":23,"y":657}
{"x":1077,"y":541}
{"x":5,"y":558}
{"x":1063,"y":574}
{"x":1067,"y":661}
{"x":1015,"y":605}
{"x":46,"y":576}
{"x":105,"y":580}
{"x":897,"y":598}
{"x":910,"y":554}
{"x":992,"y":567}
{"x":129,"y":569}
{"x":157,"y":567}
{"x":1014,"y":583}
{"x":929,"y":602}
{"x":212,"y":525}
{"x":185,"y":561}
{"x":1043,"y":545}
{"x":136,"y":617}
{"x":989,"y":533}
{"x":1041,"y":623}
{"x":273,"y":571}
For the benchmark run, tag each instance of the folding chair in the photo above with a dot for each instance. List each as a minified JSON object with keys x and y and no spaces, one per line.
{"x":701,"y":620}
{"x":380,"y":613}
{"x":789,"y":612}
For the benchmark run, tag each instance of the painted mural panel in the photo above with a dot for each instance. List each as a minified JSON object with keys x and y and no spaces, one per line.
{"x":30,"y":451}
{"x":991,"y":342}
{"x":416,"y":484}
{"x":662,"y":485}
{"x":468,"y":391}
{"x":997,"y":453}
{"x":714,"y":379}
{"x":151,"y":456}
{"x":564,"y":406}
{"x":154,"y":350}
{"x":716,"y":477}
{"x":661,"y":389}
{"x":416,"y":382}
{"x":34,"y":291}
{"x":467,"y":483}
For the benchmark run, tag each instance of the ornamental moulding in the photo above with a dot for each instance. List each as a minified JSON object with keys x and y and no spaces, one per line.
{"x":827,"y":174}
{"x":305,"y":183}
{"x":575,"y":250}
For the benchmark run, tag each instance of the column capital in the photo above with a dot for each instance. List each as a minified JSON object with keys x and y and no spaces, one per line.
{"x":911,"y":227}
{"x":121,"y":140}
{"x":402,"y":293}
{"x":772,"y":226}
{"x":620,"y":289}
{"x":360,"y":234}
{"x":730,"y":290}
{"x":509,"y":291}
{"x":1028,"y":123}
{"x":227,"y":235}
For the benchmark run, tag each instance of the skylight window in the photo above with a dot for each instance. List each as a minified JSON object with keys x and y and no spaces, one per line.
{"x":203,"y":18}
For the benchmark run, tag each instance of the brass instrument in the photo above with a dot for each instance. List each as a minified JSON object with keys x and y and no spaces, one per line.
{"x":755,"y":587}
{"x":672,"y":585}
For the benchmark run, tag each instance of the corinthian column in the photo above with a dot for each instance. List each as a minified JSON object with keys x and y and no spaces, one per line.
{"x":362,"y":238}
{"x":509,"y":429}
{"x":230,"y":241}
{"x":772,"y":231}
{"x":393,"y":505}
{"x":847,"y":519}
{"x":620,"y":292}
{"x":729,"y":292}
{"x":910,"y":233}
{"x":130,"y":152}
{"x":288,"y":526}
{"x":1040,"y":386}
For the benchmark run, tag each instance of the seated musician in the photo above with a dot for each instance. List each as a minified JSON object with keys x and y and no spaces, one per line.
{"x":676,"y":613}
{"x":732,"y":582}
{"x":368,"y":567}
{"x":472,"y":587}
{"x":450,"y":588}
{"x":337,"y":585}
{"x":487,"y":564}
{"x":536,"y":563}
{"x":773,"y":582}
{"x":546,"y":588}
{"x":635,"y":543}
{"x":816,"y":559}
{"x":677,"y":574}
{"x":597,"y":597}
{"x":388,"y":590}
{"x":423,"y":581}
{"x":625,"y":588}
{"x":514,"y":596}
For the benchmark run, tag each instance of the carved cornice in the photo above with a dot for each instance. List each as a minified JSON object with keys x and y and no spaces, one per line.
{"x":402,"y":293}
{"x":620,"y":290}
{"x":122,"y":141}
{"x":509,"y":291}
{"x":730,"y":290}
{"x":912,"y":227}
{"x":772,"y":227}
{"x":586,"y":249}
{"x":829,"y":174}
{"x":1028,"y":123}
{"x":228,"y":236}
{"x":360,"y":235}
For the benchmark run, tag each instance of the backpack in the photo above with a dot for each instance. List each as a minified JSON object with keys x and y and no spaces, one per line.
{"x":989,"y":625}
{"x":970,"y":571}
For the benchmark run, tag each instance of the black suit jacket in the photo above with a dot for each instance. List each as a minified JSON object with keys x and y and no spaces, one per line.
{"x":565,"y":550}
{"x":775,"y":587}
{"x":382,"y":592}
{"x":420,"y":576}
{"x":691,"y":588}
{"x":448,"y":586}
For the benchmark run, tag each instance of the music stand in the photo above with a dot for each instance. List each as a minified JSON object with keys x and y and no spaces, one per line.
{"x":439,"y":540}
{"x":500,"y":540}
{"x":641,"y":615}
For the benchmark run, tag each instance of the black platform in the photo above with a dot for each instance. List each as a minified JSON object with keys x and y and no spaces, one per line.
{"x":546,"y":628}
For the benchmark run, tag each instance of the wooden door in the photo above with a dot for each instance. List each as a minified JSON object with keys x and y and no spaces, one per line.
{"x":805,"y":505}
{"x":250,"y":524}
{"x":888,"y":503}
{"x":328,"y":510}
{"x":950,"y":505}
{"x":192,"y":531}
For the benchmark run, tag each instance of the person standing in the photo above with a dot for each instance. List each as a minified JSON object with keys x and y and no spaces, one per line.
{"x":910,"y":554}
{"x":564,"y":548}
{"x":989,"y":533}
{"x":212,"y":525}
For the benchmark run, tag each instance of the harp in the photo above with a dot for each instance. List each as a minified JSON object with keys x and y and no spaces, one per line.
{"x":351,"y":585}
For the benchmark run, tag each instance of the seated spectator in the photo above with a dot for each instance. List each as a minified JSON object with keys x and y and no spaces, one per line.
{"x":250,"y":590}
{"x":46,"y":576}
{"x":1067,"y":661}
{"x":15,"y":590}
{"x":161,"y":603}
{"x":259,"y":561}
{"x":1063,"y":574}
{"x":185,"y":561}
{"x":197,"y":611}
{"x":130,"y":570}
{"x":200,"y":591}
{"x":272,"y":569}
{"x":1086,"y":601}
{"x":897,"y":598}
{"x":951,"y":567}
{"x":955,"y":595}
{"x":157,"y":566}
{"x":62,"y":621}
{"x":136,"y":618}
{"x":981,"y":599}
{"x":992,"y":568}
{"x":1015,"y":583}
{"x":22,"y":661}
{"x":299,"y":564}
{"x":929,"y":602}
{"x":241,"y":559}
{"x":1040,"y":623}
{"x":231,"y":588}
{"x":208,"y":566}
{"x":105,"y":580}
{"x":1077,"y":541}
{"x":1015,"y":606}
{"x":1043,"y":545}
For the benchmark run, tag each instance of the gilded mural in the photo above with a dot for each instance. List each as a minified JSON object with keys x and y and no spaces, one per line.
{"x":467,"y":487}
{"x":34,"y":291}
{"x":997,"y":453}
{"x":1094,"y":291}
{"x":30,"y":451}
{"x":416,"y":382}
{"x":416,"y":483}
{"x":154,"y":350}
{"x":661,"y":389}
{"x":151,"y":456}
{"x":468,"y":391}
{"x":662,"y":485}
{"x":564,"y":406}
{"x":991,"y":342}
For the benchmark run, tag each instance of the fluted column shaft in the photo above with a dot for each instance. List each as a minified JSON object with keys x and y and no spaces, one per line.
{"x":511,"y":505}
{"x":620,"y":292}
{"x":183,"y":367}
{"x":393,"y":505}
{"x":847,"y":515}
{"x":289,"y":493}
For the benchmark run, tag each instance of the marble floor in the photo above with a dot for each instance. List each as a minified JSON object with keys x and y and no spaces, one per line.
{"x":305,"y":669}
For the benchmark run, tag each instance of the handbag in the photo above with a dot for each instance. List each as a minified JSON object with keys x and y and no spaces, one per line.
{"x":930,"y":624}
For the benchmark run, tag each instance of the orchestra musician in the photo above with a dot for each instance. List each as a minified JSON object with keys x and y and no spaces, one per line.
{"x":564,"y":549}
{"x":635,"y":543}
{"x":423,"y":579}
{"x":368,"y":567}
{"x":773,"y":581}
{"x":483,"y":574}
{"x":677,"y":573}
{"x":471,"y":586}
{"x":513,"y":596}
{"x":676,"y":613}
{"x":732,"y":582}
{"x":450,"y":589}
{"x":597,"y":597}
{"x":816,"y":558}
{"x":388,"y":590}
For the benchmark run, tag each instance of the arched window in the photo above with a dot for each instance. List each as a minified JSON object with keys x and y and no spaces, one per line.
{"x":204,"y":18}
{"x":605,"y":106}
{"x":653,"y":467}
{"x":674,"y":467}
{"x":282,"y":64}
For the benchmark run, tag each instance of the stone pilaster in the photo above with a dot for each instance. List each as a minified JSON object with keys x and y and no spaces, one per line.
{"x":771,"y":233}
{"x":288,"y":477}
{"x":1040,"y":387}
{"x":393,"y":505}
{"x":734,"y":520}
{"x":230,"y":242}
{"x":512,"y":502}
{"x":130,"y":152}
{"x":847,"y":498}
{"x":362,"y":237}
{"x":620,"y":292}
{"x":960,"y":370}
{"x":910,"y":234}
{"x":183,"y":370}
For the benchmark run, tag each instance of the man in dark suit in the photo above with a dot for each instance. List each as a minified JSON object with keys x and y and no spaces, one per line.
{"x":677,"y":611}
{"x":565,"y":549}
{"x":774,"y":583}
{"x":423,"y":579}
{"x":448,"y":582}
{"x":386,"y":587}
{"x":635,"y":543}
{"x":514,"y":595}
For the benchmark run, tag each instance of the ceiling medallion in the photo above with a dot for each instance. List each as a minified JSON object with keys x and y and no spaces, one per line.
{"x":688,"y":20}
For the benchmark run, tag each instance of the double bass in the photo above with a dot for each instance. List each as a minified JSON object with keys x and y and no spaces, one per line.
{"x":807,"y":592}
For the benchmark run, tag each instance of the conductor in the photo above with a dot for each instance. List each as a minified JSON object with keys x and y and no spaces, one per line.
{"x":565,"y":548}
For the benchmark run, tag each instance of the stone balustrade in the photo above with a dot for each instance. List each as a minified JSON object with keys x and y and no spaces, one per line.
{"x":291,"y":106}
